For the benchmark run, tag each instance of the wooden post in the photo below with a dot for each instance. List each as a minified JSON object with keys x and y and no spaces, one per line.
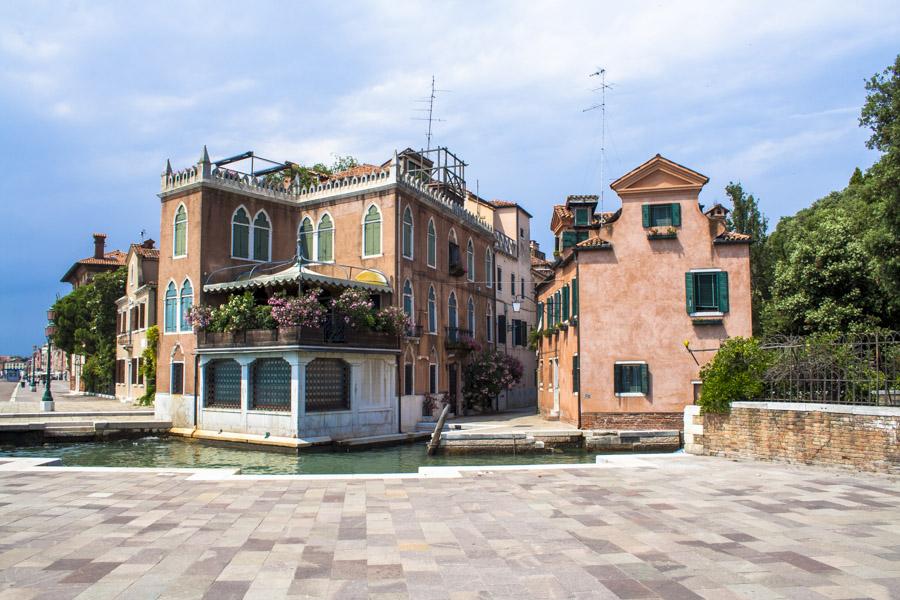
{"x":436,"y":436}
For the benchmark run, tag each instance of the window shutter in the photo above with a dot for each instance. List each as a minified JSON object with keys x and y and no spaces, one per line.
{"x":722,"y":285}
{"x":617,"y":378}
{"x":569,"y":239}
{"x":565,"y":303}
{"x":557,"y":302}
{"x":540,"y":316}
{"x":575,"y":375}
{"x":575,"y":297}
{"x":645,"y":209}
{"x":689,"y":291}
{"x":645,"y":379}
{"x":676,"y":215}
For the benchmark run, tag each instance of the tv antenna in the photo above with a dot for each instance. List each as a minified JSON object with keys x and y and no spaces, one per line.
{"x":430,"y":110}
{"x":601,"y":73}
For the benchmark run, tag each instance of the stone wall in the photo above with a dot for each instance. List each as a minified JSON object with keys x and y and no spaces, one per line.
{"x":863,"y":437}
{"x":633,"y":421}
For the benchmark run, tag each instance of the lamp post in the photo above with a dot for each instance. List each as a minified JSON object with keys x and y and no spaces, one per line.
{"x":47,"y":399}
{"x":34,"y":351}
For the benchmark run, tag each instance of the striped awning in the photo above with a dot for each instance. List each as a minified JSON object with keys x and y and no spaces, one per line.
{"x":366,"y":280}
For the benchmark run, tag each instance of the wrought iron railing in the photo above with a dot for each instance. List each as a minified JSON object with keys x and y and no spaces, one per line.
{"x":456,"y":337}
{"x":334,"y":332}
{"x":850,"y":369}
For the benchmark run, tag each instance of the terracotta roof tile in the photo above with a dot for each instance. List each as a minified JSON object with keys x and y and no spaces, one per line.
{"x":151,"y":253}
{"x":562,"y":212}
{"x":732,"y":236}
{"x":116,"y":257}
{"x":539,"y":262}
{"x":357,"y":171}
{"x":594,"y":242}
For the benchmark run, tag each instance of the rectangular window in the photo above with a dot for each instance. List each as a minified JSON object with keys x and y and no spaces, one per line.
{"x":134,"y":371}
{"x":140,"y":372}
{"x":501,"y":329}
{"x":576,"y":375}
{"x":661,"y":215}
{"x":522,"y":287}
{"x":432,"y":378}
{"x":408,"y":379}
{"x":177,"y":383}
{"x":499,"y":279}
{"x":631,"y":379}
{"x":565,"y":303}
{"x":143,"y":312}
{"x":575,"y":297}
{"x":582,"y":216}
{"x":569,"y":239}
{"x":706,"y":291}
{"x":490,"y":328}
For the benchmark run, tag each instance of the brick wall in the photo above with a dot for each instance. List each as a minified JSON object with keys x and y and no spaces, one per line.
{"x":633,"y":421}
{"x":862,"y":437}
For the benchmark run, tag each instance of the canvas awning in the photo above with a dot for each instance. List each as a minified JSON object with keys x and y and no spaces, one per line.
{"x":366,"y":280}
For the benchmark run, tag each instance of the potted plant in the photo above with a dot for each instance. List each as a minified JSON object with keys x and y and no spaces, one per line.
{"x":355,"y":307}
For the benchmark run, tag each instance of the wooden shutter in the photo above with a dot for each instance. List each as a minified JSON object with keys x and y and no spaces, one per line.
{"x":540,"y":316}
{"x":676,"y":215}
{"x":575,"y":297}
{"x":617,"y":379}
{"x":689,"y":291}
{"x":645,"y":379}
{"x":565,"y":303}
{"x":575,"y":375}
{"x":557,"y":303}
{"x":722,"y":285}
{"x":645,"y":211}
{"x":569,"y":239}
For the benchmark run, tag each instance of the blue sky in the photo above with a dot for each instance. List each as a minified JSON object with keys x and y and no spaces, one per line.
{"x":94,"y":97}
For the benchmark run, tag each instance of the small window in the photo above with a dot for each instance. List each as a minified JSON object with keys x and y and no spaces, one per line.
{"x":408,"y":379}
{"x":187,"y":301}
{"x":489,"y":268}
{"x":661,"y":215}
{"x":706,"y":291}
{"x":576,"y":375}
{"x":408,"y":300}
{"x":223,"y":383}
{"x":501,"y":329}
{"x":631,"y":379}
{"x":500,"y":279}
{"x":452,"y":315}
{"x":582,"y":216}
{"x":270,"y":384}
{"x":171,"y":316}
{"x":470,"y":317}
{"x":261,"y":236}
{"x":489,"y":323}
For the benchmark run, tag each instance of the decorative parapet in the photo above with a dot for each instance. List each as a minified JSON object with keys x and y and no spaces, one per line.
{"x":504,"y":243}
{"x":205,"y":172}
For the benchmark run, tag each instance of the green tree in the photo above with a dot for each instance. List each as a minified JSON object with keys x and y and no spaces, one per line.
{"x":148,"y":366}
{"x":746,"y":217}
{"x":734,"y":374}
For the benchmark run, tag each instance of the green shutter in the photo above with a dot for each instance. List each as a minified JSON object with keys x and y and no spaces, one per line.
{"x":645,"y":209}
{"x":645,"y":380}
{"x":575,"y":297}
{"x":689,"y":291}
{"x":676,"y":215}
{"x":575,"y":375}
{"x":565,"y":303}
{"x":722,"y":285}
{"x":617,"y":379}
{"x":569,"y":239}
{"x":540,"y":315}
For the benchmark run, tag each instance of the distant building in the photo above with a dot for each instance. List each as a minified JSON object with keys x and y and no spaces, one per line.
{"x":136,"y":312}
{"x":80,"y":273}
{"x":628,"y":289}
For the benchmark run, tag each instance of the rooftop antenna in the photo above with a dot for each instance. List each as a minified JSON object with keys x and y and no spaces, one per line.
{"x":430,"y":110}
{"x":143,"y":234}
{"x":601,"y":73}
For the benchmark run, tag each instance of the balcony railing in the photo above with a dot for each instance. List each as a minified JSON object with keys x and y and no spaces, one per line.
{"x":334,"y":333}
{"x":456,"y":337}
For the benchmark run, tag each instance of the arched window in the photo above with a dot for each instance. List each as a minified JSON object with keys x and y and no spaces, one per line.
{"x":489,"y":268}
{"x":470,"y":261}
{"x":452,"y":317}
{"x":187,"y":300}
{"x":432,"y":310}
{"x":179,"y":237}
{"x":305,"y":239}
{"x":325,"y":233}
{"x":261,"y":231}
{"x":489,"y":323}
{"x":408,"y":305}
{"x":240,"y":234}
{"x":432,"y":244}
{"x":171,"y":316}
{"x":407,"y":233}
{"x":372,"y":232}
{"x":470,"y":317}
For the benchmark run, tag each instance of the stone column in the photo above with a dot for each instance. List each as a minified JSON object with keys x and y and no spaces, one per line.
{"x":245,"y":362}
{"x":355,"y":392}
{"x":200,"y":393}
{"x":298,"y":390}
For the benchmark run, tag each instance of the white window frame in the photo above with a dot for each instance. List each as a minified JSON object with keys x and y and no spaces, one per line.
{"x":249,"y":256}
{"x":412,"y":233}
{"x":271,"y":230}
{"x":431,"y":236}
{"x":314,"y":233}
{"x":489,"y":268}
{"x":470,"y":260}
{"x":180,"y":317}
{"x":186,"y":231}
{"x":317,"y":230}
{"x":706,"y":313}
{"x":628,"y":394}
{"x":380,"y":231}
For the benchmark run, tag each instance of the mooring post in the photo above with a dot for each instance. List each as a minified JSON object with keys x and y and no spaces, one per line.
{"x":436,"y":436}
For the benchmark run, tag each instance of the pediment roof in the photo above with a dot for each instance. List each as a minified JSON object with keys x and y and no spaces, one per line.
{"x":659,"y":174}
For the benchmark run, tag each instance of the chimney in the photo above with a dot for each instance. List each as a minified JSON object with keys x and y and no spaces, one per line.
{"x":148,"y":243}
{"x":99,"y":245}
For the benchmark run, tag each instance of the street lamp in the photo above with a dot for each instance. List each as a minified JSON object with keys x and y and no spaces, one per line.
{"x":34,"y":351}
{"x":47,"y":399}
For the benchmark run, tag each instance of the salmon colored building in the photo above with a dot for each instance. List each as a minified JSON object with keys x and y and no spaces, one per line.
{"x":629,"y":289}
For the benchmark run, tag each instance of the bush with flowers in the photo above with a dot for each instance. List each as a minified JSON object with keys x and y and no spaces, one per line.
{"x":300,"y":311}
{"x":487,"y":374}
{"x":355,"y":307}
{"x":392,"y":320}
{"x":200,"y":316}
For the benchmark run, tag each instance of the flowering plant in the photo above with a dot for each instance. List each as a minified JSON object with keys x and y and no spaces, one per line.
{"x":302,"y":311}
{"x":200,"y":316}
{"x":469,"y":343}
{"x":487,"y":375}
{"x":241,"y":313}
{"x":392,"y":319}
{"x":355,"y":306}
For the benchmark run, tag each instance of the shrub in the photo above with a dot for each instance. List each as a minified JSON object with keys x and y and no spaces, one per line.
{"x":391,"y":319}
{"x":148,"y":367}
{"x":302,"y":311}
{"x":356,"y":307}
{"x":489,"y":372}
{"x":734,"y":374}
{"x":241,"y":313}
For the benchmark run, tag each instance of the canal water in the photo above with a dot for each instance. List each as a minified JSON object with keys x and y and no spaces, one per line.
{"x":177,"y":452}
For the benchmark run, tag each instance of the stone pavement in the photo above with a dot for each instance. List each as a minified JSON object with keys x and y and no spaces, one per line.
{"x":679,"y":528}
{"x":522,"y":420}
{"x":28,"y":401}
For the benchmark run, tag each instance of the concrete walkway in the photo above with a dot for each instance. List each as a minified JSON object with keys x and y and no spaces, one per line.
{"x":517,"y":421}
{"x":648,"y":527}
{"x":20,"y":400}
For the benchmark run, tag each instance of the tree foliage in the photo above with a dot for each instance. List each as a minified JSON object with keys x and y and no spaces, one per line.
{"x":746,"y":217}
{"x":487,"y":374}
{"x":734,"y":375}
{"x":148,"y":366}
{"x":309,"y":175}
{"x":86,"y":324}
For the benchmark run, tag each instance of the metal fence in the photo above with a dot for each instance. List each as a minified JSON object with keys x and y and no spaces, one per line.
{"x":850,"y":369}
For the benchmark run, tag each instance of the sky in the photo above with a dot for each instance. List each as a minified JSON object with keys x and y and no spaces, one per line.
{"x":95,"y":96}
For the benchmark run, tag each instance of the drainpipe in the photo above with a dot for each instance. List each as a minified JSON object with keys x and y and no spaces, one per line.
{"x":578,"y":344}
{"x":397,"y":242}
{"x":196,"y":391}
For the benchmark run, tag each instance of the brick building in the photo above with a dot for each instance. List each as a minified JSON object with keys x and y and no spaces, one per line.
{"x":658,"y":272}
{"x":135,"y":313}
